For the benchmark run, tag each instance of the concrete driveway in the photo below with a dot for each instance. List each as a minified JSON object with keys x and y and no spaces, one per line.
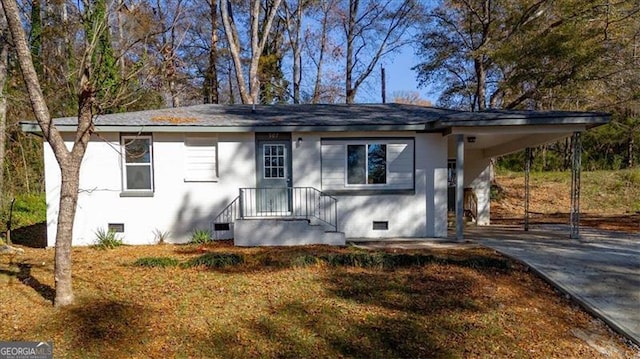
{"x":601,"y":270}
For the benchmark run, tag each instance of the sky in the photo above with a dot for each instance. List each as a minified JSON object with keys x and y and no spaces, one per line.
{"x":400,"y":77}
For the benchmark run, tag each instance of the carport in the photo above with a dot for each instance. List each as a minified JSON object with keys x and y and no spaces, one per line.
{"x":480,"y":136}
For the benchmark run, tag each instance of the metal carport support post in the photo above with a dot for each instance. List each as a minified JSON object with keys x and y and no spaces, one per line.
{"x":460,"y":188}
{"x":576,"y":144}
{"x":527,"y":187}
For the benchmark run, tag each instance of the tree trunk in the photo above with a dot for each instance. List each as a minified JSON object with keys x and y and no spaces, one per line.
{"x":481,"y":78}
{"x":211,"y":84}
{"x":68,"y":202}
{"x":323,"y":46}
{"x":350,"y":91}
{"x":293,"y":22}
{"x":36,"y":35}
{"x":233,"y":41}
{"x":259,"y":33}
{"x":297,"y":55}
{"x":4,"y":49}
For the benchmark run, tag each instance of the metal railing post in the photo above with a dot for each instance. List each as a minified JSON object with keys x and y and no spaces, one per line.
{"x":240,"y":204}
{"x":335,"y":218}
{"x":306,"y":204}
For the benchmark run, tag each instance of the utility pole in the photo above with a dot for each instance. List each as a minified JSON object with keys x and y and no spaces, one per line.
{"x":384,"y":85}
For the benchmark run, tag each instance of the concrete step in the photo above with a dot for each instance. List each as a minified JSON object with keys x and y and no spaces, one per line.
{"x":283,"y":232}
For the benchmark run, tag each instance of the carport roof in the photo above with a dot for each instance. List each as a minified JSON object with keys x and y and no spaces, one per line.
{"x":319,"y":117}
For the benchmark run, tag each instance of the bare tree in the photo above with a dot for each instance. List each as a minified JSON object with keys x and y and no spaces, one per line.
{"x":373,"y":29}
{"x":68,"y":160}
{"x":211,"y":83}
{"x":259,"y":32}
{"x":97,"y":86}
{"x":293,"y":16}
{"x":410,"y":98}
{"x":317,"y":44}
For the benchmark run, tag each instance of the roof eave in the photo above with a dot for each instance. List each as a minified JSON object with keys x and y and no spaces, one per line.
{"x":31,"y":127}
{"x":588,"y":120}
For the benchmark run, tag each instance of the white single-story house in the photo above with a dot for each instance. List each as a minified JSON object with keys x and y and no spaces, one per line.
{"x":291,"y":174}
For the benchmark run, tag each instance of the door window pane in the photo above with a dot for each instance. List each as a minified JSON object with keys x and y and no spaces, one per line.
{"x":274,"y":160}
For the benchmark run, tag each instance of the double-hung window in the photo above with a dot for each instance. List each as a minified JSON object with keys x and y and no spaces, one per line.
{"x":137,"y":164}
{"x":366,"y":164}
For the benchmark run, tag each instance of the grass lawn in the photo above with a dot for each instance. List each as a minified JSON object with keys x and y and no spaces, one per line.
{"x":300,"y":302}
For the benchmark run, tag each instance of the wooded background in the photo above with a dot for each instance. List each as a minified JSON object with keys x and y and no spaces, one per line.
{"x":579,"y":55}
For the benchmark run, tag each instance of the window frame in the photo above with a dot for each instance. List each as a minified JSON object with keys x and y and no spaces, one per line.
{"x":366,"y":145}
{"x":123,"y":146}
{"x":277,"y":156}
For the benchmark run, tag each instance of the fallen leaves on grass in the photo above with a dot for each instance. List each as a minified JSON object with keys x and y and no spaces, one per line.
{"x":458,"y":303}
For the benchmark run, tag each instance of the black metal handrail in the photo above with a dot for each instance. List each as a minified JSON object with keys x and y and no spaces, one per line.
{"x":285,"y":202}
{"x":226,"y":217}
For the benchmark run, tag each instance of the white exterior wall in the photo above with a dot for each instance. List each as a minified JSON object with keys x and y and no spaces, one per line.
{"x":478,"y":176}
{"x":180,"y":207}
{"x":422,"y":214}
{"x":177,"y":206}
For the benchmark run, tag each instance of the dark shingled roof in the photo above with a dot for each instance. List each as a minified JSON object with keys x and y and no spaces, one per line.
{"x":335,"y":117}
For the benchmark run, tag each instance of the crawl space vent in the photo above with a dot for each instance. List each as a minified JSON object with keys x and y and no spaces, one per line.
{"x":116,"y":227}
{"x":380,"y":225}
{"x":221,"y":227}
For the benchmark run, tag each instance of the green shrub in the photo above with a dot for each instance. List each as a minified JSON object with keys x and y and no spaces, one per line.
{"x":156,"y":262}
{"x":305,"y":260}
{"x":201,"y":236}
{"x":393,"y":260}
{"x":107,"y":239}
{"x":378,"y":260}
{"x":214,"y":260}
{"x":364,"y":260}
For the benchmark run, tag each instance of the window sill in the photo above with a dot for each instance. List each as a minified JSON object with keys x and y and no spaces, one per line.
{"x":200,"y":180}
{"x":369,"y":192}
{"x":136,"y":194}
